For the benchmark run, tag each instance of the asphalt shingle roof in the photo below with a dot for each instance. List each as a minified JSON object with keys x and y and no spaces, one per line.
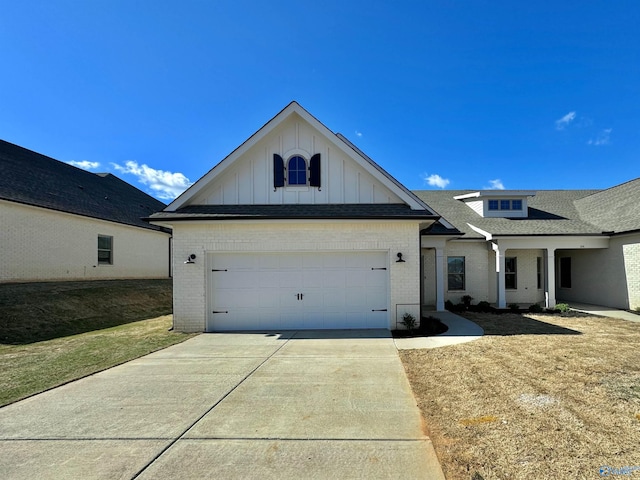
{"x":298,"y":211}
{"x":615,"y":209}
{"x":31,"y":178}
{"x":551,"y":212}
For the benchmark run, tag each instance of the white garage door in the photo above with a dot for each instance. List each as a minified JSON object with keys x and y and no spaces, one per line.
{"x":278,"y":291}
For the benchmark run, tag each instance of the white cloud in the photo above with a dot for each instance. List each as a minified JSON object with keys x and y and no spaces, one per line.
{"x":436,"y":180}
{"x":566,"y":120}
{"x":495,"y":184}
{"x":165,"y":185}
{"x":603,"y":138}
{"x":358,"y":134}
{"x":84,"y":164}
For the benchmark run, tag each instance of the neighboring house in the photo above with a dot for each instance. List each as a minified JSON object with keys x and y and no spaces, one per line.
{"x":58,"y":222}
{"x":297,"y":228}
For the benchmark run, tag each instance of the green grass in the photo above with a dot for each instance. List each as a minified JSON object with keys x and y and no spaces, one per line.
{"x":32,"y":368}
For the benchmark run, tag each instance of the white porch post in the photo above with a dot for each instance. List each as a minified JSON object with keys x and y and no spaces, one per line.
{"x":500,"y":265}
{"x":440,"y":279}
{"x":550,"y":280}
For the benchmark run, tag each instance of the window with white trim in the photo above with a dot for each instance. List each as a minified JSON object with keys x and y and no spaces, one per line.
{"x":455,"y":273}
{"x":105,"y":250}
{"x":505,"y":204}
{"x":297,"y":171}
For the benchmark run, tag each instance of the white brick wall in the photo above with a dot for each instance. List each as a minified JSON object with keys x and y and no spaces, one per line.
{"x":481,"y":282}
{"x":609,"y":277}
{"x":631,"y":252}
{"x":190,"y":281}
{"x":38,"y":244}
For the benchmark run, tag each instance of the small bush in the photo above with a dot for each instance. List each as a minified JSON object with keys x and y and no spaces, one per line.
{"x":535,"y":308}
{"x":514,"y":307}
{"x":449,"y":305}
{"x":562,"y":307}
{"x":484,"y":306}
{"x":409,"y":321}
{"x":466,"y":300}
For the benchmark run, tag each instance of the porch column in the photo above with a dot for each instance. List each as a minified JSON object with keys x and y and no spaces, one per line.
{"x":500,"y":266}
{"x":550,"y":280}
{"x":439,"y":279}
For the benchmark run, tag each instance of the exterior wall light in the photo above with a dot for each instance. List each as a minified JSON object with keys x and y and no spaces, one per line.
{"x":399,"y":260}
{"x":191,"y":258}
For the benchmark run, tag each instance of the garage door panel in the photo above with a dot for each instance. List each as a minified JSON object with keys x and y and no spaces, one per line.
{"x":262,"y":291}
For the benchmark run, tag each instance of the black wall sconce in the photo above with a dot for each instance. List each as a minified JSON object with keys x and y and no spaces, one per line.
{"x":191,"y":258}
{"x":399,"y":260}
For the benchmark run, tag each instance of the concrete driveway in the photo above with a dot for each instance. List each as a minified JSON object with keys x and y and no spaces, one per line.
{"x":307,"y":404}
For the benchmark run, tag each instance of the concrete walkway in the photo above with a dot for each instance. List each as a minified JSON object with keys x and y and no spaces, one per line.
{"x":604,"y":311}
{"x":460,"y":330}
{"x":321,"y":404}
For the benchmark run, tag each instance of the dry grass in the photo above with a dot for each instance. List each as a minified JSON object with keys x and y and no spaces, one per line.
{"x":539,"y":396}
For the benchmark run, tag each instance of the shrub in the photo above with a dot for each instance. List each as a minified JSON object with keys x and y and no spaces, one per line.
{"x":562,"y":307}
{"x":535,"y":308}
{"x":449,"y":305}
{"x":514,"y":307}
{"x":409,"y":321}
{"x":484,"y":306}
{"x":466,"y":300}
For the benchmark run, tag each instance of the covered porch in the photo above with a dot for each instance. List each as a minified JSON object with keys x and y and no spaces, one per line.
{"x":500,"y":270}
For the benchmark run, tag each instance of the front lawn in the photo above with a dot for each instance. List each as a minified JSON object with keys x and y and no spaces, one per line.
{"x":35,"y":367}
{"x":539,"y":396}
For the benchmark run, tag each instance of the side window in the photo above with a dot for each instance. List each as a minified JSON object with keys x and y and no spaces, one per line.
{"x":105,"y":250}
{"x":511,"y":273}
{"x":516,"y":204}
{"x":297,"y":171}
{"x":455,"y":273}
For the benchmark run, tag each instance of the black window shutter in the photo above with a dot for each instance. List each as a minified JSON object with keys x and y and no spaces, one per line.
{"x":314,"y":171}
{"x":278,"y":171}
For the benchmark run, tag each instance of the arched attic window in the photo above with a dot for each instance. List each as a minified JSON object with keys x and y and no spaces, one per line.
{"x":297,"y":171}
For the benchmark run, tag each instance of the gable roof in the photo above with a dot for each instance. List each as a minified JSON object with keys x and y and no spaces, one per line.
{"x":34,"y":179}
{"x":337,"y":141}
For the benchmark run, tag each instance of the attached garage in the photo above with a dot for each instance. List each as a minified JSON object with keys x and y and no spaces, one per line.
{"x":298,"y":290}
{"x":295,"y":229}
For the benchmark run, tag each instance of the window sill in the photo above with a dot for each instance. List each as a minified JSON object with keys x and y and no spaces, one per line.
{"x":296,"y":189}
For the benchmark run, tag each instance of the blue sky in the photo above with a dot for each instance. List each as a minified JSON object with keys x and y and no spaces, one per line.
{"x":442,"y":94}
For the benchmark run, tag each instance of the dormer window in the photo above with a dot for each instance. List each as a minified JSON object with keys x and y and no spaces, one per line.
{"x":494,"y":204}
{"x":297,"y":171}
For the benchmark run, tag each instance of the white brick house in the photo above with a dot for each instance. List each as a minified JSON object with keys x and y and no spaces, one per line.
{"x":59,"y":222}
{"x":297,"y":228}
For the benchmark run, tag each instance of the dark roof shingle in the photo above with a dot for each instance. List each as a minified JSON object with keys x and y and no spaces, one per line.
{"x":34,"y":179}
{"x":294,"y":211}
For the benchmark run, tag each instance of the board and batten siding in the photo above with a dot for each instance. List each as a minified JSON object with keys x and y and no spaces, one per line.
{"x":249,"y":181}
{"x":40,"y":244}
{"x":190,"y":285}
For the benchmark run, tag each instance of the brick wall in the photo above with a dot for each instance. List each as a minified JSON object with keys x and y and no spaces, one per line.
{"x":37,"y":244}
{"x":190,"y":281}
